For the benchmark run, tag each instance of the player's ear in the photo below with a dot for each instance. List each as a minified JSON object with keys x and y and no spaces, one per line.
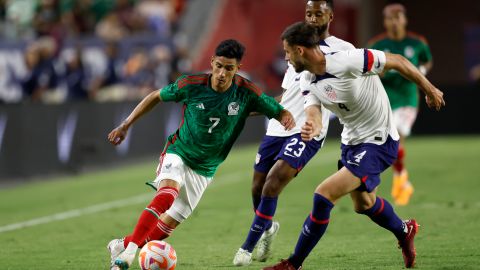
{"x":239,"y":65}
{"x":300,"y":50}
{"x":212,"y":61}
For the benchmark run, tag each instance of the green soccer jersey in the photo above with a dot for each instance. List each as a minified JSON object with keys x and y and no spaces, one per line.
{"x":402,"y":92}
{"x":212,"y":121}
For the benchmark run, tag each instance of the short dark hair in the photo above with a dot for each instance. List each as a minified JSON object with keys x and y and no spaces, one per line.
{"x":328,"y":2}
{"x":301,"y":33}
{"x":230,"y":48}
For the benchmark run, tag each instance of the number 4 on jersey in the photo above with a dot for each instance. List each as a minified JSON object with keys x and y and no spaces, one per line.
{"x":359,"y":157}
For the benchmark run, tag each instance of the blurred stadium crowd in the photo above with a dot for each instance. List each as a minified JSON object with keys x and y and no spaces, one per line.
{"x":53,"y":51}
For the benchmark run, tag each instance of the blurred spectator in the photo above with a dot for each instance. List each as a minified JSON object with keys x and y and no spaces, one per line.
{"x":41,"y":75}
{"x":46,"y":21}
{"x":139,"y":74}
{"x":78,"y":17}
{"x":181,"y":62}
{"x":159,"y":15}
{"x":108,"y":87}
{"x":120,"y":22}
{"x":75,"y":77}
{"x":19,"y":15}
{"x":475,"y":75}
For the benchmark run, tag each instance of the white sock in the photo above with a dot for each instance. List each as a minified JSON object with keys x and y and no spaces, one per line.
{"x":131,"y":248}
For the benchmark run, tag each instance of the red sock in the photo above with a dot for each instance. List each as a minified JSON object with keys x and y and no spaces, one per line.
{"x":150,"y":216}
{"x":398,"y":165}
{"x":159,"y":232}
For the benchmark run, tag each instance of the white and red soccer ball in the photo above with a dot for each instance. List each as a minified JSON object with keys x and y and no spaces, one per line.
{"x":157,"y":255}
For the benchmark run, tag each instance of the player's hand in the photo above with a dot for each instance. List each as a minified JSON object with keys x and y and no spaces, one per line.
{"x":286,"y":119}
{"x":309,"y":131}
{"x":117,"y":135}
{"x":434,"y":99}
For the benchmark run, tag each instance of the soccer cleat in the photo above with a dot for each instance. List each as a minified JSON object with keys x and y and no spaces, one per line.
{"x":399,"y":180}
{"x":407,"y":245}
{"x":283,"y":265}
{"x":242,"y":258}
{"x":264,"y":247}
{"x":115,"y":247}
{"x":405,"y":194}
{"x":124,"y":260}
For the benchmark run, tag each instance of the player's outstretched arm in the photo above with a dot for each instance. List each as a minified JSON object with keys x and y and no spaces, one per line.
{"x":433,"y":96}
{"x":313,"y":123}
{"x":286,"y":119}
{"x":117,"y":135}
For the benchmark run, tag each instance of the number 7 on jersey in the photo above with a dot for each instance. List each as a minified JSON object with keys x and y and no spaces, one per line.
{"x":215,"y":121}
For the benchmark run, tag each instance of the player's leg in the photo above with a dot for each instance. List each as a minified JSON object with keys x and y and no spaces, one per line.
{"x":402,"y":188}
{"x":171,"y":174}
{"x":258,"y":182}
{"x":381,"y":212}
{"x":291,"y":158}
{"x":263,"y":229}
{"x":315,"y":225}
{"x":267,"y":151}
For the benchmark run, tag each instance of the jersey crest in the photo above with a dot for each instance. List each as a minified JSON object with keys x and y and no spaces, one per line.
{"x":330,"y":92}
{"x":233,"y":108}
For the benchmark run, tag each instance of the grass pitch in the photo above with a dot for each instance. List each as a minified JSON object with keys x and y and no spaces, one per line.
{"x":71,"y":219}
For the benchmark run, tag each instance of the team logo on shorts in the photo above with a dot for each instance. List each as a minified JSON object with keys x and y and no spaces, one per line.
{"x":330,"y":92}
{"x":233,"y":108}
{"x":257,"y":158}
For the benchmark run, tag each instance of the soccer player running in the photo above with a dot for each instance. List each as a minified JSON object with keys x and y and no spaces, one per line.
{"x":402,"y":93}
{"x":347,"y":84}
{"x":282,"y":154}
{"x":215,"y":108}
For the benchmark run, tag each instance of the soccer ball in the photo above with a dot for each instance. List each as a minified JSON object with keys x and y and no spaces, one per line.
{"x":157,"y":255}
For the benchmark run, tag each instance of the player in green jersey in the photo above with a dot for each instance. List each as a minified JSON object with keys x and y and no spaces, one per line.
{"x":215,"y":108}
{"x":402,"y":93}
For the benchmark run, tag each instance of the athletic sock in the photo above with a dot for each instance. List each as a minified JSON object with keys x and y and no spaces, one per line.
{"x":150,"y":216}
{"x":398,"y":165}
{"x":261,"y":222}
{"x":382,"y":213}
{"x":313,"y":229}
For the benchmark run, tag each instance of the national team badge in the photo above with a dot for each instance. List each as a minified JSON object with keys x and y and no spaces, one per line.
{"x":409,"y":52}
{"x":233,"y":108}
{"x":330,"y":92}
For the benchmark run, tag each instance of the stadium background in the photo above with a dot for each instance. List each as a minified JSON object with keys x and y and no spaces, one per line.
{"x":71,"y":70}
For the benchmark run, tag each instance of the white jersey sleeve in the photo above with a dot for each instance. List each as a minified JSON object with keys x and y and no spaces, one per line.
{"x":361,"y":62}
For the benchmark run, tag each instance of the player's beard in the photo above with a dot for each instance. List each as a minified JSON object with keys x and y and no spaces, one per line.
{"x":299,"y":67}
{"x":321,"y":29}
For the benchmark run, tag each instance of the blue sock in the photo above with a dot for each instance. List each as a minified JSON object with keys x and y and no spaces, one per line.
{"x":313,"y":229}
{"x":261,"y":222}
{"x":382,"y":213}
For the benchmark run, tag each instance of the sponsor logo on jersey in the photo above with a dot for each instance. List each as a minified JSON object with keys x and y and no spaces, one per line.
{"x":330,"y":92}
{"x":233,"y":108}
{"x":200,"y":106}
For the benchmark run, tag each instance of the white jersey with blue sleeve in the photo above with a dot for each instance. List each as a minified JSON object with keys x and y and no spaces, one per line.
{"x":352,"y":90}
{"x":292,"y":99}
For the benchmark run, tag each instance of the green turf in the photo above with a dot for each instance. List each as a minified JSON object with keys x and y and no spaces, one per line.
{"x":444,"y":170}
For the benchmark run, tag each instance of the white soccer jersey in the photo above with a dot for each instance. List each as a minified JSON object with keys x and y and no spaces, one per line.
{"x":292,"y":98}
{"x":351,"y":89}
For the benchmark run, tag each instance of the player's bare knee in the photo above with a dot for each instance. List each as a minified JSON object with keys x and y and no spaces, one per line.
{"x":361,"y":206}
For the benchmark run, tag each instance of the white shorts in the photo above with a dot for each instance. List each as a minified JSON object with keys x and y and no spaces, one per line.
{"x":404,"y":118}
{"x":192,"y":185}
